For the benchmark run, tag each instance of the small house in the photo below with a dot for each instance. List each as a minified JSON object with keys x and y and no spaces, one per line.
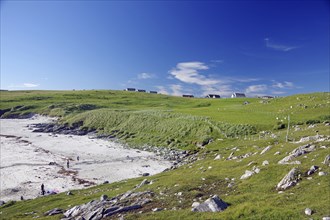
{"x":238,"y":95}
{"x":213,"y":96}
{"x":141,"y":90}
{"x":131,"y":89}
{"x":188,"y":96}
{"x":153,"y":92}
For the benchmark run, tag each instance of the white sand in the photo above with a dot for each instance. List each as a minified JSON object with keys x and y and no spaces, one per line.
{"x":25,"y":157}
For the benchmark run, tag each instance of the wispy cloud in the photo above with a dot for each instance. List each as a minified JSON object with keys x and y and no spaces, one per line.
{"x":176,"y":90}
{"x":278,"y":47}
{"x":24,"y":86}
{"x":30,"y":85}
{"x":162,"y":90}
{"x":145,"y":76}
{"x":242,"y":79}
{"x":223,"y":90}
{"x":256,"y":88}
{"x":173,"y":89}
{"x":283,"y":85}
{"x":189,"y":72}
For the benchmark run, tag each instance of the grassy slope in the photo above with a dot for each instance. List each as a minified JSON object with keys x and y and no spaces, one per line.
{"x":140,"y":118}
{"x":254,"y":198}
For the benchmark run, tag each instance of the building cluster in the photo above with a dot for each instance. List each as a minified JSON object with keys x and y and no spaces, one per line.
{"x":139,"y":90}
{"x":210,"y":96}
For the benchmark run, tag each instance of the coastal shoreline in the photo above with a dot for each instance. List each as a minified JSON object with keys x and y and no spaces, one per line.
{"x":29,"y":159}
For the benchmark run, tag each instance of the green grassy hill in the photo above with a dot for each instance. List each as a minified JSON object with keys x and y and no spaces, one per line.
{"x":223,"y":126}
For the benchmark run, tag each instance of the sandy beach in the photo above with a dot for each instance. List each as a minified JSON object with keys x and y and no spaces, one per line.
{"x":29,"y":159}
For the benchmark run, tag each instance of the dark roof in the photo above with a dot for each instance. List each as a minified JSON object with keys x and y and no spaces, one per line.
{"x":189,"y":96}
{"x":130,"y":89}
{"x":212,"y":96}
{"x":238,"y":94}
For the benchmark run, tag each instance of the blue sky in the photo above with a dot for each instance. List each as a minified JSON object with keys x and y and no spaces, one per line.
{"x":174,"y":47}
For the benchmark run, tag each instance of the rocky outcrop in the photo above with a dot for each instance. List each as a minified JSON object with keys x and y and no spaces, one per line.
{"x":265,"y":150}
{"x":291,"y":179}
{"x":327,"y":160}
{"x":308,"y":211}
{"x":214,"y":204}
{"x":74,"y":129}
{"x":98,"y":209}
{"x":296,"y":153}
{"x":265,"y":163}
{"x":55,"y":211}
{"x":312,"y":170}
{"x":249,"y":173}
{"x":316,"y":138}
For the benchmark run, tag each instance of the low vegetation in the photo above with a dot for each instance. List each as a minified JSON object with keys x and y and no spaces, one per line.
{"x":210,"y":127}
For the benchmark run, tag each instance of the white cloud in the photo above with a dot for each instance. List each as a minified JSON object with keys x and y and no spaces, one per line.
{"x":176,"y":90}
{"x":30,"y":85}
{"x":242,"y":80}
{"x":145,"y":76}
{"x":279,"y":47}
{"x":162,"y":90}
{"x":23,"y":86}
{"x":188,"y":72}
{"x":256,"y":88}
{"x":173,"y":89}
{"x":222,"y":90}
{"x":284,"y":85}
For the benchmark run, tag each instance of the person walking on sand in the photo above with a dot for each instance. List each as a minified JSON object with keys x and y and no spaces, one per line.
{"x":67,"y":164}
{"x":42,"y":189}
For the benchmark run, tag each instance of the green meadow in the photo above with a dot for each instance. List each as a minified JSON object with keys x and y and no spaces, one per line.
{"x":210,"y":127}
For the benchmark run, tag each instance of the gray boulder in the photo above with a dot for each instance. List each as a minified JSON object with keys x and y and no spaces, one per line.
{"x":322,"y":173}
{"x":55,"y":211}
{"x":218,"y":157}
{"x":265,"y":163}
{"x":296,"y":153}
{"x":308,"y":211}
{"x":214,"y":204}
{"x":327,"y":160}
{"x":122,"y":209}
{"x":291,"y":179}
{"x":265,"y":150}
{"x":312,"y":170}
{"x":144,"y":182}
{"x":103,"y":197}
{"x":247,"y":174}
{"x":99,"y":209}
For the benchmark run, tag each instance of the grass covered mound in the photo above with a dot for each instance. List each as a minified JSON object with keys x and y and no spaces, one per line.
{"x":239,"y":134}
{"x":158,"y":128}
{"x":165,"y":121}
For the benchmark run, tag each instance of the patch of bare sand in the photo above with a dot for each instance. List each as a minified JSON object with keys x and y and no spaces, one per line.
{"x":28,"y":159}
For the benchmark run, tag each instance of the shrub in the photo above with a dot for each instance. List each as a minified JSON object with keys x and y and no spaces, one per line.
{"x":312,"y":121}
{"x":279,"y":126}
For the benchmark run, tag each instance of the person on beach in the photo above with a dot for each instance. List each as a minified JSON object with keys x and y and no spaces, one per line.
{"x":42,"y":189}
{"x":67,"y":164}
